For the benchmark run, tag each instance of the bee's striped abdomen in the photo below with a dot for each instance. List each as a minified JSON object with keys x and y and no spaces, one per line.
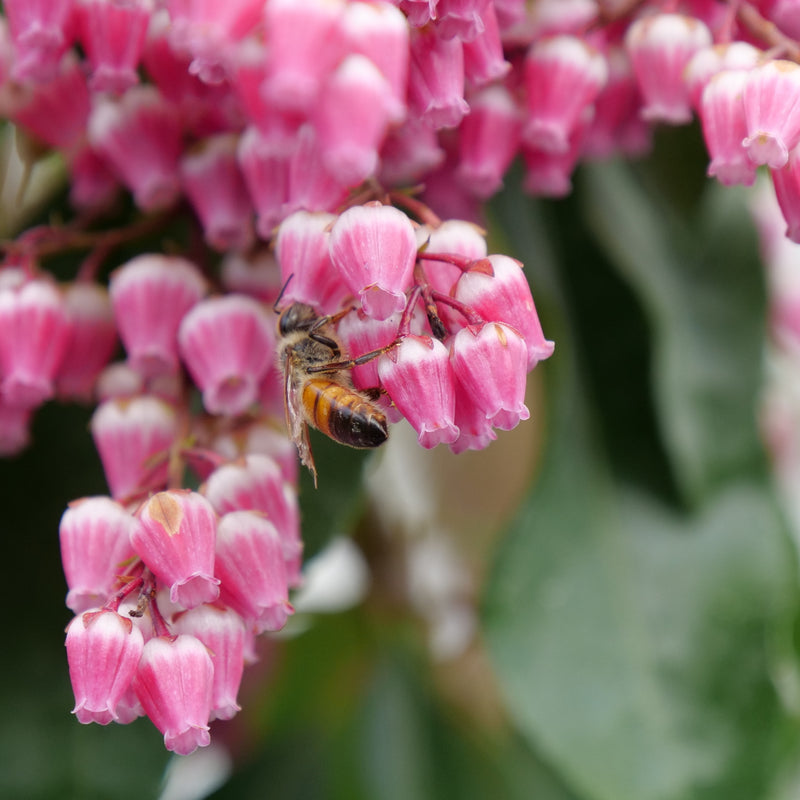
{"x":343,"y":414}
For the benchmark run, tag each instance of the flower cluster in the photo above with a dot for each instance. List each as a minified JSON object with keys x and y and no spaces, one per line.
{"x":316,"y":146}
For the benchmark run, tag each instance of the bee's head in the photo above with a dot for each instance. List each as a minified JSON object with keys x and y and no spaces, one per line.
{"x":297,"y":317}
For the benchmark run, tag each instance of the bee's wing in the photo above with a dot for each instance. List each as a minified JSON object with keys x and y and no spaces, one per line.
{"x":295,"y":417}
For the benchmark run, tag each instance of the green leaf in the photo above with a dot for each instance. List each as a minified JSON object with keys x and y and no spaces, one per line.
{"x":632,"y":643}
{"x":701,"y":284}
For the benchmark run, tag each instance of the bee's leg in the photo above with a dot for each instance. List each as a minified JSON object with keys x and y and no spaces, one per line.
{"x":374,"y":393}
{"x":335,"y":366}
{"x":325,"y":340}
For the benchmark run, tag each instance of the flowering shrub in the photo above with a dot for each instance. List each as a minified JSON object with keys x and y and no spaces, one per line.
{"x":333,"y":155}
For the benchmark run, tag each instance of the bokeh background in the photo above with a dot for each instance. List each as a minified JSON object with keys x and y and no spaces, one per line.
{"x":601,"y":606}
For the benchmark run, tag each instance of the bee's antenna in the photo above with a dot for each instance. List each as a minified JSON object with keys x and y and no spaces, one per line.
{"x":280,"y":296}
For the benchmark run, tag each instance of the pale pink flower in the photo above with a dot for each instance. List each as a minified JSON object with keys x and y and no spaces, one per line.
{"x":140,"y":136}
{"x":113,"y":33}
{"x":660,"y":46}
{"x":174,"y":683}
{"x":175,"y":538}
{"x":103,"y":651}
{"x":56,"y":112}
{"x":305,"y":45}
{"x":419,"y":379}
{"x":127,"y":435}
{"x":222,"y":631}
{"x":303,"y":253}
{"x":484,"y":60}
{"x":41,"y":30}
{"x":94,"y":534}
{"x":379,"y":31}
{"x":252,"y":571}
{"x":228,"y":345}
{"x":563,"y":76}
{"x":488,"y":140}
{"x":210,"y":31}
{"x":351,"y":119}
{"x":724,"y":128}
{"x":772,"y":111}
{"x":34,"y":334}
{"x":436,"y":79}
{"x":151,"y":294}
{"x":491,"y":362}
{"x":92,"y":339}
{"x":373,"y":247}
{"x":787,"y":189}
{"x":216,"y":189}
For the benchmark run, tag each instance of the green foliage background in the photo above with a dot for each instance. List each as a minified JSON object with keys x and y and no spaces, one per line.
{"x":640,"y":608}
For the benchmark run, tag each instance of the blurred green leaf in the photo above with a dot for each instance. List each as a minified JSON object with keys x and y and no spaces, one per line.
{"x":632,"y":642}
{"x":702,"y":286}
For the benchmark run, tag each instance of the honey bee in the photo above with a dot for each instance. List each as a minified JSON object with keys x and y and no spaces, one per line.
{"x":318,"y":389}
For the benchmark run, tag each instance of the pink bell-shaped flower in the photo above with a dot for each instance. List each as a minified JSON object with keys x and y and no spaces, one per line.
{"x":351,"y":119}
{"x":140,"y":136}
{"x":174,"y":684}
{"x":41,"y":31}
{"x":257,"y":483}
{"x":112,"y":35}
{"x":92,"y":339}
{"x":254,"y":273}
{"x":305,"y":45}
{"x":151,"y":294}
{"x":127,"y":435}
{"x":34,"y":334}
{"x":772,"y":111}
{"x":303,"y":253}
{"x":491,"y":362}
{"x":175,"y":539}
{"x":251,"y":568}
{"x":436,"y":79}
{"x":265,"y":169}
{"x":379,"y":31}
{"x":55,"y":112}
{"x":228,"y":345}
{"x":660,"y":46}
{"x":488,"y":140}
{"x":217,"y":191}
{"x":419,"y":379}
{"x":724,"y":128}
{"x":563,"y":76}
{"x":787,"y":190}
{"x":506,"y":297}
{"x":373,"y":247}
{"x":95,"y":542}
{"x":475,"y":431}
{"x":103,"y":651}
{"x":222,"y":631}
{"x":210,"y":31}
{"x":484,"y":60}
